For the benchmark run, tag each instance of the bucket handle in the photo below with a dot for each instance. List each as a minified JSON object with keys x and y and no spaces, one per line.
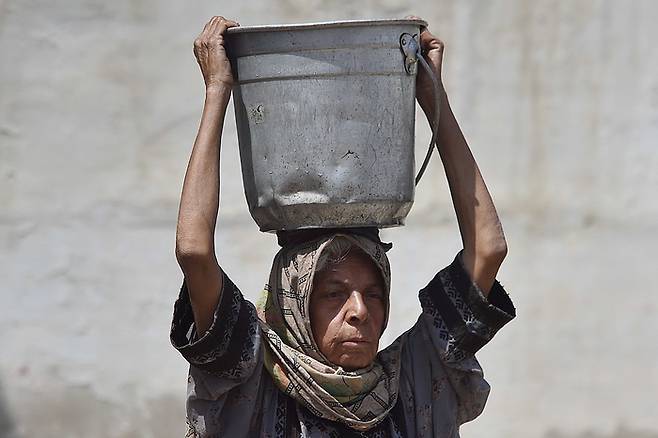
{"x":412,"y":55}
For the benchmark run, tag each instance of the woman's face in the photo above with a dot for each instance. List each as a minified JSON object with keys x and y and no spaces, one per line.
{"x":347,"y":310}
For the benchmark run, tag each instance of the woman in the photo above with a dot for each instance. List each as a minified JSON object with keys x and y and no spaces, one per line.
{"x":305,"y":361}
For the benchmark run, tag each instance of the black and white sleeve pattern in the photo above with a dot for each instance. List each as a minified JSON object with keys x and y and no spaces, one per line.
{"x":464,"y":319}
{"x":229,"y":348}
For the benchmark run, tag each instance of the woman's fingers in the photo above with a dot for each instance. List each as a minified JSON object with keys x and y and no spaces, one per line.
{"x":210,"y":53}
{"x":213,"y":31}
{"x":429,"y":41}
{"x":219,"y":25}
{"x":416,"y":17}
{"x":214,"y":23}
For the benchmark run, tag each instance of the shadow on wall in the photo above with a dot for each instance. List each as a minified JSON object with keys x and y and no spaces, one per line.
{"x":7,"y":427}
{"x":621,"y":432}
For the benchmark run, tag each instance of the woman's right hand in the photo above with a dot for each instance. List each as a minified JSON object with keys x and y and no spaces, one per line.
{"x":211,"y":55}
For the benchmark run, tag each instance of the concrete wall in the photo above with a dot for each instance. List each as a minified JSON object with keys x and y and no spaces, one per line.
{"x":99,"y":105}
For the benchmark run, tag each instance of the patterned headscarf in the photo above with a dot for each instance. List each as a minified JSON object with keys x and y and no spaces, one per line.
{"x":359,"y":399}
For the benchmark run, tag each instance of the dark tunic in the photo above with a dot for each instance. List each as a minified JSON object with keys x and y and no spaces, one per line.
{"x":230,"y":394}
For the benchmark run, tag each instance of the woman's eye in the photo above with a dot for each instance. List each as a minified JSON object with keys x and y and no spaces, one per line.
{"x":379,"y":295}
{"x":333,"y":294}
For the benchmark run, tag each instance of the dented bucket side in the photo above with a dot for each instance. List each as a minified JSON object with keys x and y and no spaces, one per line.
{"x":325,"y":121}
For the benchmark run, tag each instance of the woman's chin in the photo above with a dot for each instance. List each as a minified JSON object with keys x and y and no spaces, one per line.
{"x":354,"y":360}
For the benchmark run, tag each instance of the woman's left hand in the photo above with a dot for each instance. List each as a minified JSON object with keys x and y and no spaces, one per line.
{"x":432,"y":50}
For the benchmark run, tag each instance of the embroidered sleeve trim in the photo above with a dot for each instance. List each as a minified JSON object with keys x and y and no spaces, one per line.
{"x":457,"y":304}
{"x":225,"y":335}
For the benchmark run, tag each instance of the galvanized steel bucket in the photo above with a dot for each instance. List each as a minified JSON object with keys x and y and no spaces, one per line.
{"x":325,"y":117}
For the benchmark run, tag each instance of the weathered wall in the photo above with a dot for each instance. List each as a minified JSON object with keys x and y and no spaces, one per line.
{"x":99,"y":104}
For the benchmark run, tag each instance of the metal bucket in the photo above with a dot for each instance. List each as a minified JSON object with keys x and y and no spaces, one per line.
{"x":325,"y":116}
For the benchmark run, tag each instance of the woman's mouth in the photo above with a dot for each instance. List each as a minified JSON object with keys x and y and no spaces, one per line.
{"x":356,"y":341}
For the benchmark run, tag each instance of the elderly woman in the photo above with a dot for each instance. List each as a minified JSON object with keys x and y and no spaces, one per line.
{"x":305,"y":361}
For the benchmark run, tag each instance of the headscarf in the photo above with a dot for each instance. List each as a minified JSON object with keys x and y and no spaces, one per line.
{"x":359,"y":399}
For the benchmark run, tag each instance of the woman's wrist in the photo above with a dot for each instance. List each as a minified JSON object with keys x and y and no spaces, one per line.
{"x":218,"y":92}
{"x":428,"y":105}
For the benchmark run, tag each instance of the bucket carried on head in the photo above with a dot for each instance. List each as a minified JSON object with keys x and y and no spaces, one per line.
{"x":325,"y":116}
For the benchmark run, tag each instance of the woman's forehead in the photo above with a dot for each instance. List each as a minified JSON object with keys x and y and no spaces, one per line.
{"x":356,"y":267}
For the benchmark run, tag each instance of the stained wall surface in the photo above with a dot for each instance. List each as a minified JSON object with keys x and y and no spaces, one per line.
{"x":99,"y":105}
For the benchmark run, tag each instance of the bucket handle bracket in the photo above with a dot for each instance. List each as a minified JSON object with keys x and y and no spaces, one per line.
{"x":410,"y":48}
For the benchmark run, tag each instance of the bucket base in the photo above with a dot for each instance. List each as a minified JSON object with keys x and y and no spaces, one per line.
{"x":305,"y":216}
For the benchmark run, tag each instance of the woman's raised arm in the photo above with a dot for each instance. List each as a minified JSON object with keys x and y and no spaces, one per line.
{"x":199,"y":203}
{"x":482,"y":234}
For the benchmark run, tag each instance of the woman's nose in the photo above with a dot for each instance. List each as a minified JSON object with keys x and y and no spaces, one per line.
{"x":357,"y":311}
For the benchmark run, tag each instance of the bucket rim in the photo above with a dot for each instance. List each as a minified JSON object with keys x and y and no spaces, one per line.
{"x":324,"y":25}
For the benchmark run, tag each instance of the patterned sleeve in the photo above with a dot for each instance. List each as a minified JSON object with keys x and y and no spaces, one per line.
{"x":463,"y":318}
{"x":459,"y":320}
{"x":229,"y":348}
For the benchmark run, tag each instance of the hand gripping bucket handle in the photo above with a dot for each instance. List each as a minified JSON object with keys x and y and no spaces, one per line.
{"x":410,"y":47}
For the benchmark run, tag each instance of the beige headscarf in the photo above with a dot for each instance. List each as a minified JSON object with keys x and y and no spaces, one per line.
{"x":359,"y":399}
